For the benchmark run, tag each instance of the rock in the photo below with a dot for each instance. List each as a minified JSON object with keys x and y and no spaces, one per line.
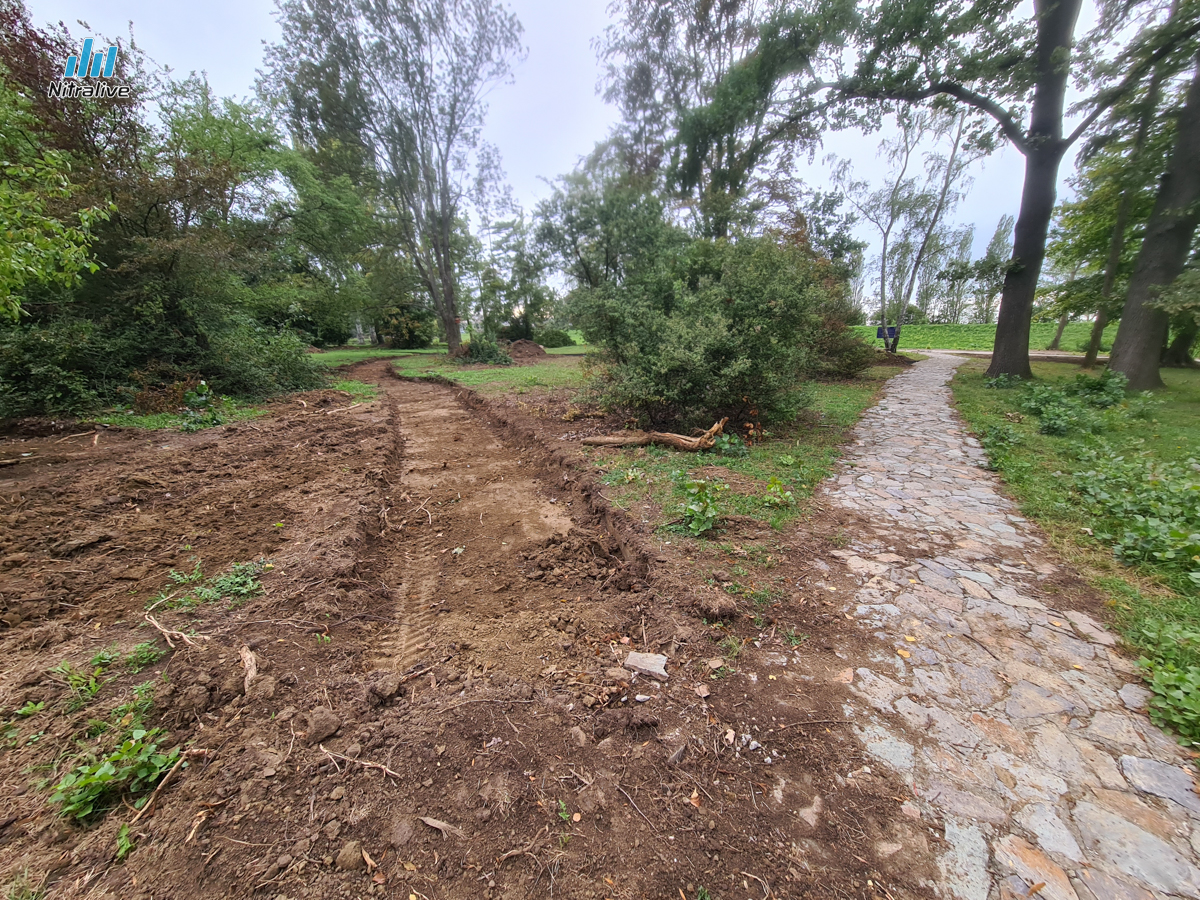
{"x":322,"y":724}
{"x":402,"y":833}
{"x":285,"y":715}
{"x":1034,"y":867}
{"x":1105,"y":887}
{"x":965,"y":865}
{"x":1040,"y":820}
{"x":1091,"y":630}
{"x":652,"y":664}
{"x":616,"y":673}
{"x":579,"y":736}
{"x":385,"y":684}
{"x":332,"y":829}
{"x":353,"y":751}
{"x":1027,"y":701}
{"x":887,"y":748}
{"x":1161,"y":780}
{"x":262,"y":688}
{"x":1135,"y":697}
{"x":337,"y":793}
{"x":964,"y":805}
{"x":350,"y":858}
{"x":1110,"y":839}
{"x":1115,"y":729}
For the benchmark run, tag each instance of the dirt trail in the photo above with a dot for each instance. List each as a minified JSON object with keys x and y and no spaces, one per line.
{"x":440,"y":709}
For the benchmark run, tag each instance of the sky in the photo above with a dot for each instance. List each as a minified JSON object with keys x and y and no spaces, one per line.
{"x":543,"y":122}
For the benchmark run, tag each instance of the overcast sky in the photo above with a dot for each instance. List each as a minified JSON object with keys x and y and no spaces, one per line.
{"x":543,"y":122}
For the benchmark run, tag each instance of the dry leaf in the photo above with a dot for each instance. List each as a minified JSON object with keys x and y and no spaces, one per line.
{"x":702,"y":691}
{"x":371,"y":864}
{"x":730,"y":736}
{"x":695,"y":798}
{"x":771,"y":678}
{"x":409,"y":867}
{"x":904,"y":653}
{"x":380,"y":878}
{"x":444,"y":827}
{"x":910,"y":638}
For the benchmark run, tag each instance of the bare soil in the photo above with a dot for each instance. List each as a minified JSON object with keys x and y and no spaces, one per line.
{"x":440,"y":708}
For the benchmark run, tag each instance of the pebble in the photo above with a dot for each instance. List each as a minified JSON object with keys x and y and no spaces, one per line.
{"x":350,"y":857}
{"x":652,"y":664}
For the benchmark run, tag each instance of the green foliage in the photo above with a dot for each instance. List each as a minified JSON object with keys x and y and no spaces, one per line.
{"x":22,"y":888}
{"x":143,"y":656}
{"x":31,"y":709}
{"x":83,"y":685}
{"x":700,"y":511}
{"x":235,"y":586}
{"x":1171,"y":660}
{"x":483,"y":352}
{"x":777,"y":496}
{"x":135,"y":766}
{"x":357,"y":389}
{"x":730,"y":445}
{"x":552,"y":337}
{"x":125,"y":843}
{"x":721,"y":329}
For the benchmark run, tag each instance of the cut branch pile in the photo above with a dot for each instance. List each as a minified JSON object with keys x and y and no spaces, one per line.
{"x":642,"y":438}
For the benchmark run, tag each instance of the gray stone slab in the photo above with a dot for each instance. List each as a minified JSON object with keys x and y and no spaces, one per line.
{"x":1112,"y":840}
{"x":965,"y":865}
{"x":1153,"y":777}
{"x":652,"y":664}
{"x":1029,"y":701}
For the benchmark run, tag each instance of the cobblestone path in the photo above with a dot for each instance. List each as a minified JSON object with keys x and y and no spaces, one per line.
{"x":1019,"y":725}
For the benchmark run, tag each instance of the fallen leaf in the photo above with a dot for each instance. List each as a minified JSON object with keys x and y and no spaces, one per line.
{"x":444,"y":827}
{"x":409,"y":867}
{"x":371,"y":864}
{"x":380,"y":878}
{"x":904,"y":653}
{"x":695,"y":798}
{"x":1036,"y":888}
{"x":772,"y":678}
{"x":910,"y":638}
{"x":702,"y":691}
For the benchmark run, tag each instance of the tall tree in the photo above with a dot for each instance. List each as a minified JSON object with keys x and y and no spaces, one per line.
{"x":994,"y":58}
{"x":407,"y":83}
{"x":1143,"y":331}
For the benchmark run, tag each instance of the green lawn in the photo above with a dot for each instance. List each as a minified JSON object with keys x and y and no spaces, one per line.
{"x":798,"y":458}
{"x":1090,"y":491}
{"x":559,"y":372}
{"x":982,"y":337}
{"x":344,"y":356}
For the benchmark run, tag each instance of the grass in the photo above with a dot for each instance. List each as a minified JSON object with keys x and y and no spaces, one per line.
{"x":344,"y":356}
{"x":231,"y":411}
{"x":981,"y":337}
{"x":1051,"y":476}
{"x":553,"y":373}
{"x":357,"y":389}
{"x":760,"y":477}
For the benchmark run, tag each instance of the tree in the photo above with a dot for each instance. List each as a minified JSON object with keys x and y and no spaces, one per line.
{"x":990,"y":58}
{"x":1143,"y":331}
{"x":406,"y":83}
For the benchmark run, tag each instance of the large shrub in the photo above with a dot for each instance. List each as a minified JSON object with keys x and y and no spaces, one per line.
{"x":720,"y":329}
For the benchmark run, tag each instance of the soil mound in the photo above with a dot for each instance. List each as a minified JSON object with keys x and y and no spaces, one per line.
{"x":524,"y":349}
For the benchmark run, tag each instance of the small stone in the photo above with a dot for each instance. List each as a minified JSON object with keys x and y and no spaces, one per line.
{"x":337,"y":793}
{"x":642,"y":698}
{"x":322,"y":724}
{"x":579,"y":736}
{"x":715,"y":663}
{"x":332,"y":829}
{"x":1161,"y":780}
{"x":284,"y":861}
{"x":1028,"y":700}
{"x":652,"y":664}
{"x":386,"y":684}
{"x":1089,"y":629}
{"x":1034,"y":867}
{"x":353,"y":751}
{"x":350,"y":857}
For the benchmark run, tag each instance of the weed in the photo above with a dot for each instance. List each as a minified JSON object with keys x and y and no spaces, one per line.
{"x":1004,"y":382}
{"x":563,"y":812}
{"x":134,"y":766}
{"x":358,"y":390}
{"x":83,"y":685}
{"x":703,"y":894}
{"x":124,"y":842}
{"x":794,"y":639}
{"x":132,"y":713}
{"x":700,"y":508}
{"x":324,"y":638}
{"x":143,"y":656}
{"x":730,"y":445}
{"x":236,"y":585}
{"x":776,"y":496}
{"x":106,"y":658}
{"x":730,"y":647}
{"x":22,"y":888}
{"x":31,"y":709}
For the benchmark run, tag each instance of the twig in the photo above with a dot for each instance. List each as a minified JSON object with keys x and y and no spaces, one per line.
{"x":251,"y":665}
{"x":162,"y":784}
{"x":766,"y":887}
{"x":362,"y":762}
{"x":330,"y":412}
{"x":427,"y":512}
{"x":69,"y":436}
{"x":981,"y":644}
{"x":168,"y":633}
{"x":814,"y":722}
{"x":635,"y":806}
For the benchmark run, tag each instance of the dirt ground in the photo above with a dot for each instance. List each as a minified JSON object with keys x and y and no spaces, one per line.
{"x":428,"y":698}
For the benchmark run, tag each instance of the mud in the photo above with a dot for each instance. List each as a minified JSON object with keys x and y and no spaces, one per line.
{"x":440,"y":708}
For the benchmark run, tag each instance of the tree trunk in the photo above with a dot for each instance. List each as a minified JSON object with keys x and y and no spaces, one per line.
{"x":1044,"y":150}
{"x":1062,"y":326}
{"x":1143,"y":331}
{"x":1093,"y":350}
{"x":1179,"y":354}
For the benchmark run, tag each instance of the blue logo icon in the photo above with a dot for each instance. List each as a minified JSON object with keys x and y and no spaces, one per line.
{"x":89,"y":65}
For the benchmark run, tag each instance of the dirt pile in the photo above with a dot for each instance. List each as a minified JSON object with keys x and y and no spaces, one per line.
{"x":526,"y":350}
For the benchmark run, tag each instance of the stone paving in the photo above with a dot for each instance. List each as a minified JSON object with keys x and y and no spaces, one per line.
{"x":1019,"y":726}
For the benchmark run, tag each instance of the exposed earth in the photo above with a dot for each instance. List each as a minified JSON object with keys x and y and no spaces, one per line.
{"x":433,"y":697}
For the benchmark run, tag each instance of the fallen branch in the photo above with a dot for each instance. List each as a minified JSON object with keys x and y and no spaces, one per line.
{"x":162,"y":784}
{"x":666,"y":439}
{"x":361,"y":762}
{"x":169,"y":633}
{"x":251,"y":665}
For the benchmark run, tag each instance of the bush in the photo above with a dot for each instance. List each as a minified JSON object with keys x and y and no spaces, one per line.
{"x":840,"y":352}
{"x":483,"y":352}
{"x":721,"y":329}
{"x":552,"y":337}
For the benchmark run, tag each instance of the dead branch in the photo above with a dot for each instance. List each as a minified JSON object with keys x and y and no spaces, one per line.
{"x":251,"y":665}
{"x":361,"y":762}
{"x":169,"y":633}
{"x":666,"y":439}
{"x":162,"y":784}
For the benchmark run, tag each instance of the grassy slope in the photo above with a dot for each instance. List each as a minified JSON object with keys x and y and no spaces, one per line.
{"x":982,"y":337}
{"x":1035,"y":470}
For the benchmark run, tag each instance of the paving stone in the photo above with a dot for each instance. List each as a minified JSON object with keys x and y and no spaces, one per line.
{"x":1001,"y":733}
{"x":1129,"y":805}
{"x":931,"y":681}
{"x":1117,"y":730}
{"x":1089,"y":629}
{"x":1026,"y":780}
{"x":964,"y":804}
{"x":1106,"y":887}
{"x":1103,"y":766}
{"x":652,"y":664}
{"x":1121,"y":844}
{"x":1041,"y":820}
{"x":878,"y":690}
{"x":965,"y":865}
{"x":1161,"y":780}
{"x":1029,"y":701}
{"x":887,"y":748}
{"x":1060,"y":755}
{"x":1034,"y":867}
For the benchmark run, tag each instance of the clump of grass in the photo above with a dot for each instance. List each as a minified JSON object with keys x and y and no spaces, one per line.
{"x":192,"y":588}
